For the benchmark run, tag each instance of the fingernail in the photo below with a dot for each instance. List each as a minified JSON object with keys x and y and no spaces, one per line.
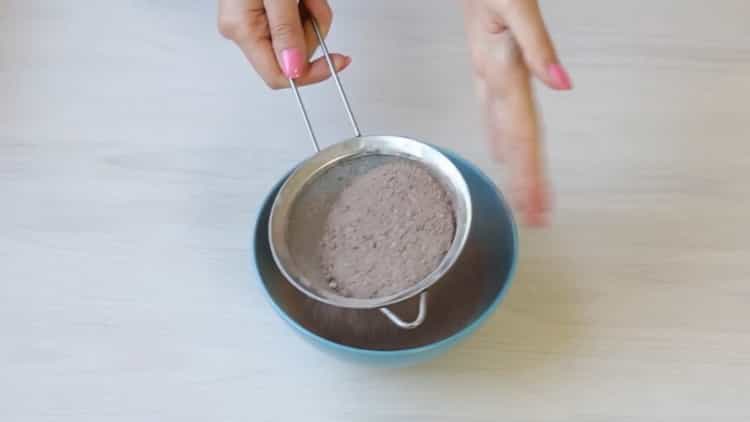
{"x":292,"y":61}
{"x":559,"y":76}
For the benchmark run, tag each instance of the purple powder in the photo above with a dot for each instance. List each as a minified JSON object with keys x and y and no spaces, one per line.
{"x":387,"y":230}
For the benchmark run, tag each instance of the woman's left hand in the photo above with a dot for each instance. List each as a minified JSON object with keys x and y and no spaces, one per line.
{"x":509,"y":43}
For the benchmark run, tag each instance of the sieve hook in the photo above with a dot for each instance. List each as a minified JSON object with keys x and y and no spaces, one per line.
{"x":339,"y":87}
{"x":409,"y":325}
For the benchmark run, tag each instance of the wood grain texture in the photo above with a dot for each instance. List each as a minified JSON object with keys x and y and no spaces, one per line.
{"x":136,"y":146}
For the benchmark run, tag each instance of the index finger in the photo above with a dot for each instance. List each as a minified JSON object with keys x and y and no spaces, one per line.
{"x":262,"y":57}
{"x":259,"y":52}
{"x":287,"y":36}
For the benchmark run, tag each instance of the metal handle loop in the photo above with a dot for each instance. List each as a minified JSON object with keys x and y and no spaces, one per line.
{"x":409,"y":325}
{"x":340,"y":88}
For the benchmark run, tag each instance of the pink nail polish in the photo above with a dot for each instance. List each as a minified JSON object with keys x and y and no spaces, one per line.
{"x":292,"y":61}
{"x":559,"y":76}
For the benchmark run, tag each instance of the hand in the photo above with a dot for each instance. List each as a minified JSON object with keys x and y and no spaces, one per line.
{"x":509,"y":43}
{"x":278,"y":39}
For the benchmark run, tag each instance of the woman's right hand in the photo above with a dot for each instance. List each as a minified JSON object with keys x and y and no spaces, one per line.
{"x":278,"y":38}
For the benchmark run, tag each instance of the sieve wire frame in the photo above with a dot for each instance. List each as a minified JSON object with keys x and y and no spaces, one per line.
{"x":384,"y":145}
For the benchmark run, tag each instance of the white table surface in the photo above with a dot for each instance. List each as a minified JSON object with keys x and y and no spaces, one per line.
{"x":136,"y":145}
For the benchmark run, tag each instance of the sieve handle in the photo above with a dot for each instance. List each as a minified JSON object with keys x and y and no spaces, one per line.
{"x":336,"y":79}
{"x":400,"y":323}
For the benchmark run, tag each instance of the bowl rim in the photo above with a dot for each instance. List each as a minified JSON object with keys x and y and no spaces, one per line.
{"x":458,"y":335}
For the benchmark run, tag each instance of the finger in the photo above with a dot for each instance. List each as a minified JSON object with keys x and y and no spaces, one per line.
{"x":489,"y":113}
{"x":321,"y":11}
{"x":287,"y":36}
{"x":515,"y":129}
{"x":527,"y":25}
{"x":240,"y":19}
{"x":505,"y":87}
{"x":246,"y":24}
{"x":518,"y":130}
{"x":261,"y":55}
{"x":520,"y":144}
{"x":489,"y":57}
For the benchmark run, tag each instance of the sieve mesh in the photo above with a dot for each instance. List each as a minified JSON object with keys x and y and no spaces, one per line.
{"x":313,"y":207}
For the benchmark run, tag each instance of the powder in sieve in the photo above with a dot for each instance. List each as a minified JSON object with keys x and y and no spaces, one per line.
{"x":387,"y":230}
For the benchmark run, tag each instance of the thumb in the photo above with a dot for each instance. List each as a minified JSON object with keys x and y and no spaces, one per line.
{"x":287,"y":36}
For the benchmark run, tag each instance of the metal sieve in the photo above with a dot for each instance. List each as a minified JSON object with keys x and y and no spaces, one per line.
{"x":301,"y":205}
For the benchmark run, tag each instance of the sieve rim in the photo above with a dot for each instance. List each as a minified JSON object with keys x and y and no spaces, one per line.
{"x":388,"y":145}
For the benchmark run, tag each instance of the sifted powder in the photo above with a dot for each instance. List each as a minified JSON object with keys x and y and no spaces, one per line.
{"x":387,"y":229}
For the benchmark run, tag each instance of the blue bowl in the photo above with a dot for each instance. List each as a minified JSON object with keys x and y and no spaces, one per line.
{"x":458,"y":304}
